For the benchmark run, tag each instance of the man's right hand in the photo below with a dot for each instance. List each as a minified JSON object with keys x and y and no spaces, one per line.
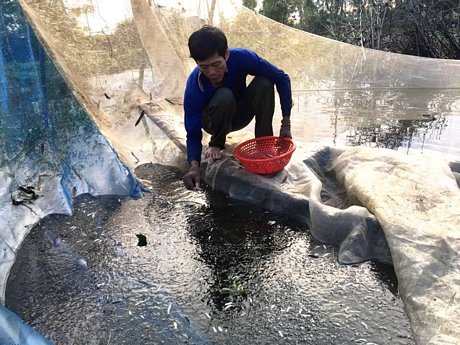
{"x":192,"y":178}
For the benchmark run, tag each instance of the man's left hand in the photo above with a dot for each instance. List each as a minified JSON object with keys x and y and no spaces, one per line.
{"x":285,"y":130}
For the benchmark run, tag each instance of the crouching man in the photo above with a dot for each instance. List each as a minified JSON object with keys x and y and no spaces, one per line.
{"x":218,"y":100}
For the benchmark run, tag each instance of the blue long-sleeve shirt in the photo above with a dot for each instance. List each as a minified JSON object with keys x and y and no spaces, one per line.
{"x":199,"y":91}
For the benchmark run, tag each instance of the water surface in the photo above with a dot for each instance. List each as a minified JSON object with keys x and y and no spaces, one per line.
{"x":213,"y":270}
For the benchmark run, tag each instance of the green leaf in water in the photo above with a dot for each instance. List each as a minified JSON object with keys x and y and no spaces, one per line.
{"x":225,"y":291}
{"x":142,"y":240}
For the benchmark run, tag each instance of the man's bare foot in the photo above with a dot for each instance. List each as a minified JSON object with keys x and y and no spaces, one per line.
{"x":213,"y":152}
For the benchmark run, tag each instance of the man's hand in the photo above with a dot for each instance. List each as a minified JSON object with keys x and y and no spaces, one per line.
{"x":213,"y":152}
{"x":285,"y":130}
{"x":192,"y":178}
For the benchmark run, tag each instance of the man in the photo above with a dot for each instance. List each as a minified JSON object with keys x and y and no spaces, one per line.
{"x":218,"y":100}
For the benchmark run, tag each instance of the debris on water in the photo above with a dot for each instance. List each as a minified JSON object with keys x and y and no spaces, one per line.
{"x":208,"y":316}
{"x":57,"y":241}
{"x":175,"y":325}
{"x":142,"y":240}
{"x":169,"y":308}
{"x":271,"y":222}
{"x":364,"y":324}
{"x":281,"y":334}
{"x":214,"y":329}
{"x":220,"y":328}
{"x":24,"y":194}
{"x":81,"y":263}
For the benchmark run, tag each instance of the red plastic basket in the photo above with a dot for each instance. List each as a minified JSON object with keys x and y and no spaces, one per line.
{"x":265,"y":155}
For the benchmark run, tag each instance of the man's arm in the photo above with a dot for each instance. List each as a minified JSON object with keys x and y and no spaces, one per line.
{"x":282,"y":81}
{"x":192,"y":121}
{"x":258,"y":66}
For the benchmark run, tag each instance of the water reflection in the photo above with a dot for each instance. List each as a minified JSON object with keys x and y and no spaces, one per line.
{"x":413,"y":119}
{"x":234,"y":241}
{"x":399,"y":134}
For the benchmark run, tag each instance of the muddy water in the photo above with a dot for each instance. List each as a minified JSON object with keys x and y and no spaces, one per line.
{"x":212,"y":271}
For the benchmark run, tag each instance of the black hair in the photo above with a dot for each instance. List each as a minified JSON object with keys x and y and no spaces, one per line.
{"x":206,"y":42}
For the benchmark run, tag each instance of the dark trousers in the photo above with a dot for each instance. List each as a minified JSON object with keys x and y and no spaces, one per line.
{"x":224,"y":114}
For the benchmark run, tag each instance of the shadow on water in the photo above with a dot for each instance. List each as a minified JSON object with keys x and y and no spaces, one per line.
{"x":213,"y":269}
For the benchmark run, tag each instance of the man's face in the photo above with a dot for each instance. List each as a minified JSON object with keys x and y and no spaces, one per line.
{"x":214,"y":68}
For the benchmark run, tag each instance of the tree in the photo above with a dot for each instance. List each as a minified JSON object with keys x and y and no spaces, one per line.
{"x":251,"y":4}
{"x":282,"y":11}
{"x":428,"y":28}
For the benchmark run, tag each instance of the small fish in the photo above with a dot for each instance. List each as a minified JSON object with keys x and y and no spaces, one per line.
{"x":137,"y":159}
{"x":169,"y":308}
{"x":107,"y":96}
{"x":230,"y":305}
{"x":140,"y":117}
{"x":143,"y":301}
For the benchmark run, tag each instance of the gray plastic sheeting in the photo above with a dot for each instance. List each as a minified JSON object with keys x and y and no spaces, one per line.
{"x":13,"y":331}
{"x":382,"y":208}
{"x":50,"y":152}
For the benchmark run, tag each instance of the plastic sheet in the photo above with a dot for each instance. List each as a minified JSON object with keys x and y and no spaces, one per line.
{"x":51,"y":150}
{"x":14,"y":331}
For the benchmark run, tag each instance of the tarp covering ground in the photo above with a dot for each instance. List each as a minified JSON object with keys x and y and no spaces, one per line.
{"x":126,"y":63}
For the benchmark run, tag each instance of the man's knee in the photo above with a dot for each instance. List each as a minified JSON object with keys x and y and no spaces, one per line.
{"x":223,"y":97}
{"x":265,"y":83}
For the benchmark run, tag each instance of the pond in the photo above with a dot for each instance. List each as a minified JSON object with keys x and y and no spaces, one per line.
{"x":184,"y":267}
{"x":413,"y":121}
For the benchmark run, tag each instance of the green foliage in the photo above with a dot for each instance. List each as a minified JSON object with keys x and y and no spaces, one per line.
{"x":251,"y":4}
{"x":236,"y":291}
{"x":416,"y":27}
{"x":280,"y":10}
